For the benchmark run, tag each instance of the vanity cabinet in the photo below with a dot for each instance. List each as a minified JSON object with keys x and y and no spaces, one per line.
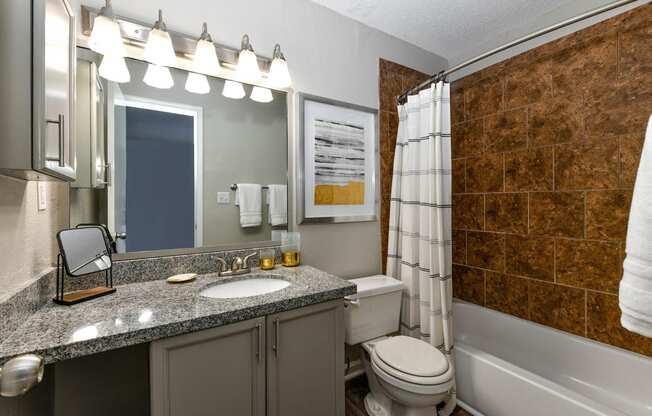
{"x":90,"y":134}
{"x":218,"y":371}
{"x":286,"y":364}
{"x":305,"y":361}
{"x":37,"y":89}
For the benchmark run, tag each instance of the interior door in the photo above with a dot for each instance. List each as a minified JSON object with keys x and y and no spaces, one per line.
{"x":305,"y":361}
{"x":160,"y":180}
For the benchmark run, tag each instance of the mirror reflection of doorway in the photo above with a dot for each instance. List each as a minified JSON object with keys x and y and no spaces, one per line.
{"x":156,"y":148}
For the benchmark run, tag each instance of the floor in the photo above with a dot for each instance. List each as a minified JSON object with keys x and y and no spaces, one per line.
{"x":357,"y":388}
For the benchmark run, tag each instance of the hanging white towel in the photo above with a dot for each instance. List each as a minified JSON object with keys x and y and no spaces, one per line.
{"x":248,"y":197}
{"x":635,"y":295}
{"x":277,"y":199}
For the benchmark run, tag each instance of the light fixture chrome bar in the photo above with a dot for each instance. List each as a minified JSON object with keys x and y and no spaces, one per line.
{"x":443,"y":74}
{"x":135,"y":33}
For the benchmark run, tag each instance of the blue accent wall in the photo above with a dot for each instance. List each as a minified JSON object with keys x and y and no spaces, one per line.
{"x":160,"y":200}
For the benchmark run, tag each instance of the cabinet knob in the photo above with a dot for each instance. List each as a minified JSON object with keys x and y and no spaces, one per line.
{"x":21,"y":374}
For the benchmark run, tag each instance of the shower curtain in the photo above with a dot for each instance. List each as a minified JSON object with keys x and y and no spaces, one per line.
{"x":420,"y":241}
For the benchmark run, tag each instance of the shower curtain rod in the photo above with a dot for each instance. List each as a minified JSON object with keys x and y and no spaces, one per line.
{"x":401,"y":99}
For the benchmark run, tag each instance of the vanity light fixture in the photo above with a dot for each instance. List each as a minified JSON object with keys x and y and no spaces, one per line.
{"x":158,"y":76}
{"x":159,"y":49}
{"x":197,"y":83}
{"x":233,"y":89}
{"x":247,"y":69}
{"x":261,"y":95}
{"x":205,"y":60}
{"x":105,"y":37}
{"x":279,"y":75}
{"x":114,"y":68}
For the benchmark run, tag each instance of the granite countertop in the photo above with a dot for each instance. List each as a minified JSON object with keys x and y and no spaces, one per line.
{"x":144,"y":312}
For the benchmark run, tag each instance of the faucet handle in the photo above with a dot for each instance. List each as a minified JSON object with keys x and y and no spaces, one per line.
{"x":222,"y":266}
{"x":246,"y":258}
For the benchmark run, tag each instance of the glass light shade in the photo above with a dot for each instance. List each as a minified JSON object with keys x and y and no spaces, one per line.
{"x":114,"y":68}
{"x":197,"y":83}
{"x":261,"y":95}
{"x":159,"y":49}
{"x":233,"y":89}
{"x":105,"y":38}
{"x":279,"y":75}
{"x":205,"y":60}
{"x":158,"y":76}
{"x":247,"y":69}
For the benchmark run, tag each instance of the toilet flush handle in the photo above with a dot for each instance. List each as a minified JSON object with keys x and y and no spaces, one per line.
{"x":351,"y":302}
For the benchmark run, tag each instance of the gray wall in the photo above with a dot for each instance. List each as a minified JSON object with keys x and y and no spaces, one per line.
{"x":330,"y":56}
{"x":244,"y":141}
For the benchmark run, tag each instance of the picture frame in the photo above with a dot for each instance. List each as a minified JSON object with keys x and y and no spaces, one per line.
{"x":338,"y":163}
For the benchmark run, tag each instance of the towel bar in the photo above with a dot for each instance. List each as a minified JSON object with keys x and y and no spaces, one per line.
{"x":234,"y":186}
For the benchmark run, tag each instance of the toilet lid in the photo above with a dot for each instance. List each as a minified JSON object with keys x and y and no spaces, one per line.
{"x":411,"y":356}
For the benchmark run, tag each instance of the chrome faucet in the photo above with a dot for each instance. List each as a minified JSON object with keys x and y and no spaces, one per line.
{"x":239,"y":265}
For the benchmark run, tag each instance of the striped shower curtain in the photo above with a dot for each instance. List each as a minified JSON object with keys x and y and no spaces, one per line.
{"x":420,"y":242}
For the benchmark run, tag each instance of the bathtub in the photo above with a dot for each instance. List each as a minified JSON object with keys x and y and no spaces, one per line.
{"x":508,"y":366}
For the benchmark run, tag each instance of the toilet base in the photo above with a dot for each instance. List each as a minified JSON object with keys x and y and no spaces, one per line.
{"x":387,"y":407}
{"x":375,"y":408}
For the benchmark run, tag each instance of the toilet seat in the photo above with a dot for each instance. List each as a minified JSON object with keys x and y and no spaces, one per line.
{"x":411,"y":356}
{"x":412,"y":365}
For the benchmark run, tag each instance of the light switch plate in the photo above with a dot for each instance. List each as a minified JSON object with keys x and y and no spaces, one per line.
{"x":42,"y":196}
{"x":223,"y":198}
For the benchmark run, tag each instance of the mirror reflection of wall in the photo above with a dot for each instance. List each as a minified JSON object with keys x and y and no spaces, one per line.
{"x":159,"y":163}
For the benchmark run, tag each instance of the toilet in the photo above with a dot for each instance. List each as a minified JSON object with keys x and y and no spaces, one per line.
{"x":407,"y":376}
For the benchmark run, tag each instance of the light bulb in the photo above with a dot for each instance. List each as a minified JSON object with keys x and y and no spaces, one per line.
{"x":158,"y":76}
{"x":105,"y":38}
{"x":233,"y":89}
{"x":159,"y":49}
{"x":279,"y":75}
{"x":261,"y":95}
{"x":247,"y":69}
{"x":197,"y":83}
{"x":205,"y":60}
{"x":114,"y":68}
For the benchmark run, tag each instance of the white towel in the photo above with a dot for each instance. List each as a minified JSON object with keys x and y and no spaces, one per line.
{"x":248,"y":197}
{"x":635,"y":295}
{"x":277,"y":199}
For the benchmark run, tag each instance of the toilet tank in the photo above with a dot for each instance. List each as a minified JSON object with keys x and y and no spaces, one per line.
{"x":374,"y":310}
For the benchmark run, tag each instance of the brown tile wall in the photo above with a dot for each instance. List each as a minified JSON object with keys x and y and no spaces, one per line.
{"x":545,"y":151}
{"x":393,"y":79}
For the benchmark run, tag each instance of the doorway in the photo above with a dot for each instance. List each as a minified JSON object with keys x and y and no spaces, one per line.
{"x":157,"y":151}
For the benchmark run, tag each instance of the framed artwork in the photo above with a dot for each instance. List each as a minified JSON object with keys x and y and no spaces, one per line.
{"x":338,"y":162}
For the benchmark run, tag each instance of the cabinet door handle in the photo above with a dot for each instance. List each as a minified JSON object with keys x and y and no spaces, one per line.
{"x":107,"y":175}
{"x":277,"y":328}
{"x":259,"y":342}
{"x":60,"y":122}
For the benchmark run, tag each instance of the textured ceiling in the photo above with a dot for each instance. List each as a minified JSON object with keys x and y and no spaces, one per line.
{"x":459,"y":29}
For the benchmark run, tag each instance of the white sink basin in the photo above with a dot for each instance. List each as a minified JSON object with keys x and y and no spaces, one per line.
{"x":244,"y":288}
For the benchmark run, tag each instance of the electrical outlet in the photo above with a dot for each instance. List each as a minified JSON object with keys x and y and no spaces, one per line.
{"x":223,"y":198}
{"x":42,"y":196}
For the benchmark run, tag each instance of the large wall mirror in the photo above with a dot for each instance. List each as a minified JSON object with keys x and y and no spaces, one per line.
{"x":158,"y":165}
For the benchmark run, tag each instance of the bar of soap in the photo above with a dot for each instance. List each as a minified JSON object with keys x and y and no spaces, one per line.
{"x":182,"y":278}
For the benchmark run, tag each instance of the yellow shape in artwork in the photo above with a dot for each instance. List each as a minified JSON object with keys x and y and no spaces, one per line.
{"x":351,"y":194}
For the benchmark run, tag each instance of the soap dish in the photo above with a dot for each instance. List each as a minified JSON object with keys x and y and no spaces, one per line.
{"x":182,"y":278}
